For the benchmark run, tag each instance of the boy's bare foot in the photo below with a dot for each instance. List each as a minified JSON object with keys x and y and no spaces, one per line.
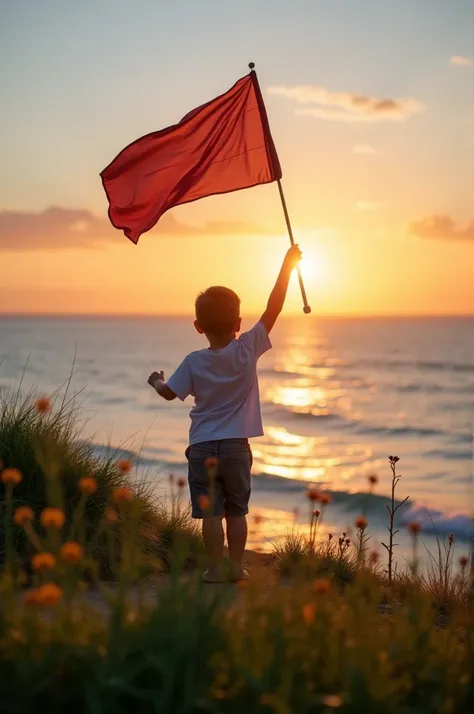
{"x":239,"y":574}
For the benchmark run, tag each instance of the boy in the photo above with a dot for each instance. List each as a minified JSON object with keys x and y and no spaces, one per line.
{"x":223,"y":381}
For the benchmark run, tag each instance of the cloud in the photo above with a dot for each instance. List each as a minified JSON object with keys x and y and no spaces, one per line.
{"x":69,"y":228}
{"x":363,"y":149}
{"x":346,"y":106}
{"x":459,"y":61}
{"x":366,"y":206}
{"x":441,"y":227}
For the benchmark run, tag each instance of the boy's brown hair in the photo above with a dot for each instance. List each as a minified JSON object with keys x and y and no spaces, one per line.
{"x":217,"y":310}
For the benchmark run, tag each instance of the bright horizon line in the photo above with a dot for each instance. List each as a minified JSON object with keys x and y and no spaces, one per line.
{"x":183,"y":315}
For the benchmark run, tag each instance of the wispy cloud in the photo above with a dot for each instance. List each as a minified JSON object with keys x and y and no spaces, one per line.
{"x":363,"y":149}
{"x":69,"y":229}
{"x":460,"y":61}
{"x":347,"y":106}
{"x":441,"y":227}
{"x":365,"y":206}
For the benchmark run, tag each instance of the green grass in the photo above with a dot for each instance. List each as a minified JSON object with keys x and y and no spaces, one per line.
{"x":51,"y":453}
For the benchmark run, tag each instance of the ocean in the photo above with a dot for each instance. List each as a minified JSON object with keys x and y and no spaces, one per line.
{"x":339,"y":395}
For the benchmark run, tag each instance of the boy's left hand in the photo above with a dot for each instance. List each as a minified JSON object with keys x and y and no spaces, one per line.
{"x":154,"y":376}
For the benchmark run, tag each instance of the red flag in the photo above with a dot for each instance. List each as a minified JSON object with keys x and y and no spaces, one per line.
{"x":222,"y":146}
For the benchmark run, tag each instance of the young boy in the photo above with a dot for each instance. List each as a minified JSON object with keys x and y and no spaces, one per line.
{"x":223,"y":381}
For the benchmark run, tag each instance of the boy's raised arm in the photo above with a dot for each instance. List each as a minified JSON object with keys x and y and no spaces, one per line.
{"x":278,"y":294}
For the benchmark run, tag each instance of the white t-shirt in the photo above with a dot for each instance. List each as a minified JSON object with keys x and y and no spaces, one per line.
{"x":225,"y":388}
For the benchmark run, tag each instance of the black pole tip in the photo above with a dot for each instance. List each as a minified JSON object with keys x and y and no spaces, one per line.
{"x":306,"y":309}
{"x":251,"y":65}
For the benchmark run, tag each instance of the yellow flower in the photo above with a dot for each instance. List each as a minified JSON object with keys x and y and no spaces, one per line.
{"x":308,"y":611}
{"x":322,"y":586}
{"x":111,"y":515}
{"x":333,"y":701}
{"x":124,"y":466}
{"x":71,"y":552}
{"x":87,"y":485}
{"x":11,"y":477}
{"x":121,"y":494}
{"x":52,"y":518}
{"x":43,"y":405}
{"x":48,"y":594}
{"x":43,"y":561}
{"x":23,"y":515}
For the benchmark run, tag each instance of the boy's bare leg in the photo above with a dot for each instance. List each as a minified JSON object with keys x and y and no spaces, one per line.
{"x":213,"y":536}
{"x":237,"y":539}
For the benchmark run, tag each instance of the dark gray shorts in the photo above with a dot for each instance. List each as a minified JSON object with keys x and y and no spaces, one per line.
{"x":230,"y":492}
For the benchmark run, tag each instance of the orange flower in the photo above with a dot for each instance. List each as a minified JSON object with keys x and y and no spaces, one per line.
{"x":23,"y":515}
{"x":373,"y":479}
{"x":121,"y":494}
{"x":313,"y":494}
{"x":48,"y":594}
{"x":181,"y":482}
{"x":374,"y":557}
{"x":87,"y":485}
{"x":211,"y":462}
{"x":71,"y":552}
{"x":308,"y":612}
{"x":322,"y":586}
{"x":204,"y":502}
{"x":124,"y":466}
{"x":258,"y":519}
{"x":414,"y":528}
{"x":333,"y":701}
{"x":11,"y":477}
{"x":111,"y":515}
{"x":361,"y":523}
{"x":43,"y":561}
{"x":463,"y":561}
{"x":324,"y":499}
{"x":52,"y":518}
{"x":43,"y":405}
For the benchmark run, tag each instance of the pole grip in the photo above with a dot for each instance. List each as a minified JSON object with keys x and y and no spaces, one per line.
{"x":306,"y":307}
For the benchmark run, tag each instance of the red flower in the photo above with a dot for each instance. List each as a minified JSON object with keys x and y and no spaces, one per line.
{"x":124,"y":466}
{"x":43,"y":405}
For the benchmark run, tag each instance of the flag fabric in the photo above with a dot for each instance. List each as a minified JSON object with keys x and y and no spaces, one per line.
{"x":222,"y":146}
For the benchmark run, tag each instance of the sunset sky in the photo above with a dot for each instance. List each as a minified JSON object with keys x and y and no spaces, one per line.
{"x":371,"y":106}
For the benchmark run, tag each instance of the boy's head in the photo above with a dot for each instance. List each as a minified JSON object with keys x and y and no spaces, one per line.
{"x":218,"y":312}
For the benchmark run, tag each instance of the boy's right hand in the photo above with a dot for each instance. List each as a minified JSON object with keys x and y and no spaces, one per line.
{"x":293,"y":256}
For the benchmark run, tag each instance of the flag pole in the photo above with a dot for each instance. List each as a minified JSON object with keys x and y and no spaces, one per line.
{"x":306,"y":307}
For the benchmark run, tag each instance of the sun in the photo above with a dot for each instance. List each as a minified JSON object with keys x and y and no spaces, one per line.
{"x":313,"y":266}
